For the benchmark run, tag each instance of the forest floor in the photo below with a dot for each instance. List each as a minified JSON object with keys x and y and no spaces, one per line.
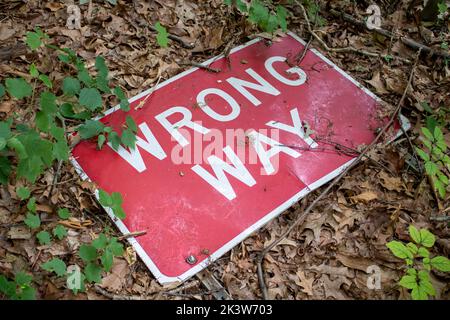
{"x":327,"y":256}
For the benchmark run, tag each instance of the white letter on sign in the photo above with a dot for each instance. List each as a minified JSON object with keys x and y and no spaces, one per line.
{"x":151,"y":145}
{"x":302,"y":75}
{"x":263,"y":86}
{"x":172,"y":128}
{"x":235,"y":108}
{"x":263,"y":155}
{"x":220,"y":182}
{"x":296,"y":129}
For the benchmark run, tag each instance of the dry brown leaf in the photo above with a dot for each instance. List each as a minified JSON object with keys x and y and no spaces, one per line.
{"x":391,"y":183}
{"x":377,"y":83}
{"x":115,"y":280}
{"x":305,"y":283}
{"x":365,"y":196}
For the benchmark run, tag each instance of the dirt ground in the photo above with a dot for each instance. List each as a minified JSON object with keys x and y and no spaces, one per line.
{"x":328,"y":256}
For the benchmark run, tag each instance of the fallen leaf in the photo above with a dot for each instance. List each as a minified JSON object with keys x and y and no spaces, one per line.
{"x":365,"y":196}
{"x":305,"y":283}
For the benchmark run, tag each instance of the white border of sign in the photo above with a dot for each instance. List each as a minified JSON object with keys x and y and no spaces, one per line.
{"x":163,"y":279}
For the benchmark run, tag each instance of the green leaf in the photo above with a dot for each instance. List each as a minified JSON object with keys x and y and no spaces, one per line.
{"x":27,"y":293}
{"x":22,"y":279}
{"x":100,"y":242}
{"x":90,"y":128}
{"x":46,"y":81}
{"x":408,"y":282}
{"x":23,"y":193}
{"x":104,"y":198}
{"x":431,"y":168}
{"x":411,"y":272}
{"x":441,"y":263}
{"x":100,"y":141}
{"x":425,"y":283}
{"x":162,"y":37}
{"x":44,"y":238}
{"x":282,"y":15}
{"x":60,"y":232}
{"x":93,"y":273}
{"x":5,"y":170}
{"x":414,"y":233}
{"x":18,"y":88}
{"x":107,"y":260}
{"x":48,"y":102}
{"x":71,"y":86}
{"x":423,"y":252}
{"x":32,"y":221}
{"x":90,"y":98}
{"x":116,"y":199}
{"x":2,"y":90}
{"x":399,"y":250}
{"x":131,"y":124}
{"x":124,"y":104}
{"x":64,"y":213}
{"x":87,"y":253}
{"x":412,"y":247}
{"x":114,"y":139}
{"x":84,"y":77}
{"x":427,"y":133}
{"x":31,"y":205}
{"x":128,"y":138}
{"x":427,"y":238}
{"x":43,"y":121}
{"x":101,"y":66}
{"x":33,"y":40}
{"x":423,"y":154}
{"x":61,"y":150}
{"x":438,"y":135}
{"x":439,"y":187}
{"x":55,"y":265}
{"x":418,"y":293}
{"x":116,"y":247}
{"x":34,"y":71}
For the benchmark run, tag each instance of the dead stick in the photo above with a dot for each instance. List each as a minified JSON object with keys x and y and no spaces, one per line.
{"x":201,"y":66}
{"x":301,"y":218}
{"x":132,"y":235}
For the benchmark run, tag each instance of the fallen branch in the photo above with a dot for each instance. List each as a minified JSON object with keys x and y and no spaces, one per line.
{"x":406,"y":41}
{"x":201,"y":66}
{"x":300,"y":219}
{"x":132,"y":235}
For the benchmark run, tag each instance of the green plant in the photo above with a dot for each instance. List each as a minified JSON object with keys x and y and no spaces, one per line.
{"x":18,"y":289}
{"x":437,"y":162}
{"x":417,"y":276}
{"x":98,"y":256}
{"x":113,"y":201}
{"x":37,"y":145}
{"x":262,"y":13}
{"x":162,"y":37}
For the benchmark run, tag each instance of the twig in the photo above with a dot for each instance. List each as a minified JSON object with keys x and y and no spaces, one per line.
{"x":302,"y":217}
{"x":440,"y":218}
{"x":413,"y":149}
{"x":201,"y":66}
{"x":191,"y":295}
{"x":141,"y":103}
{"x":407,"y":41}
{"x":112,"y":296}
{"x":132,"y":234}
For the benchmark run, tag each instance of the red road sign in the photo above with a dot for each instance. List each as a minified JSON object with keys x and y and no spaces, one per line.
{"x":197,"y":182}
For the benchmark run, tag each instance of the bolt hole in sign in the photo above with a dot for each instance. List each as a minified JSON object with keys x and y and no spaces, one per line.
{"x":218,"y":155}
